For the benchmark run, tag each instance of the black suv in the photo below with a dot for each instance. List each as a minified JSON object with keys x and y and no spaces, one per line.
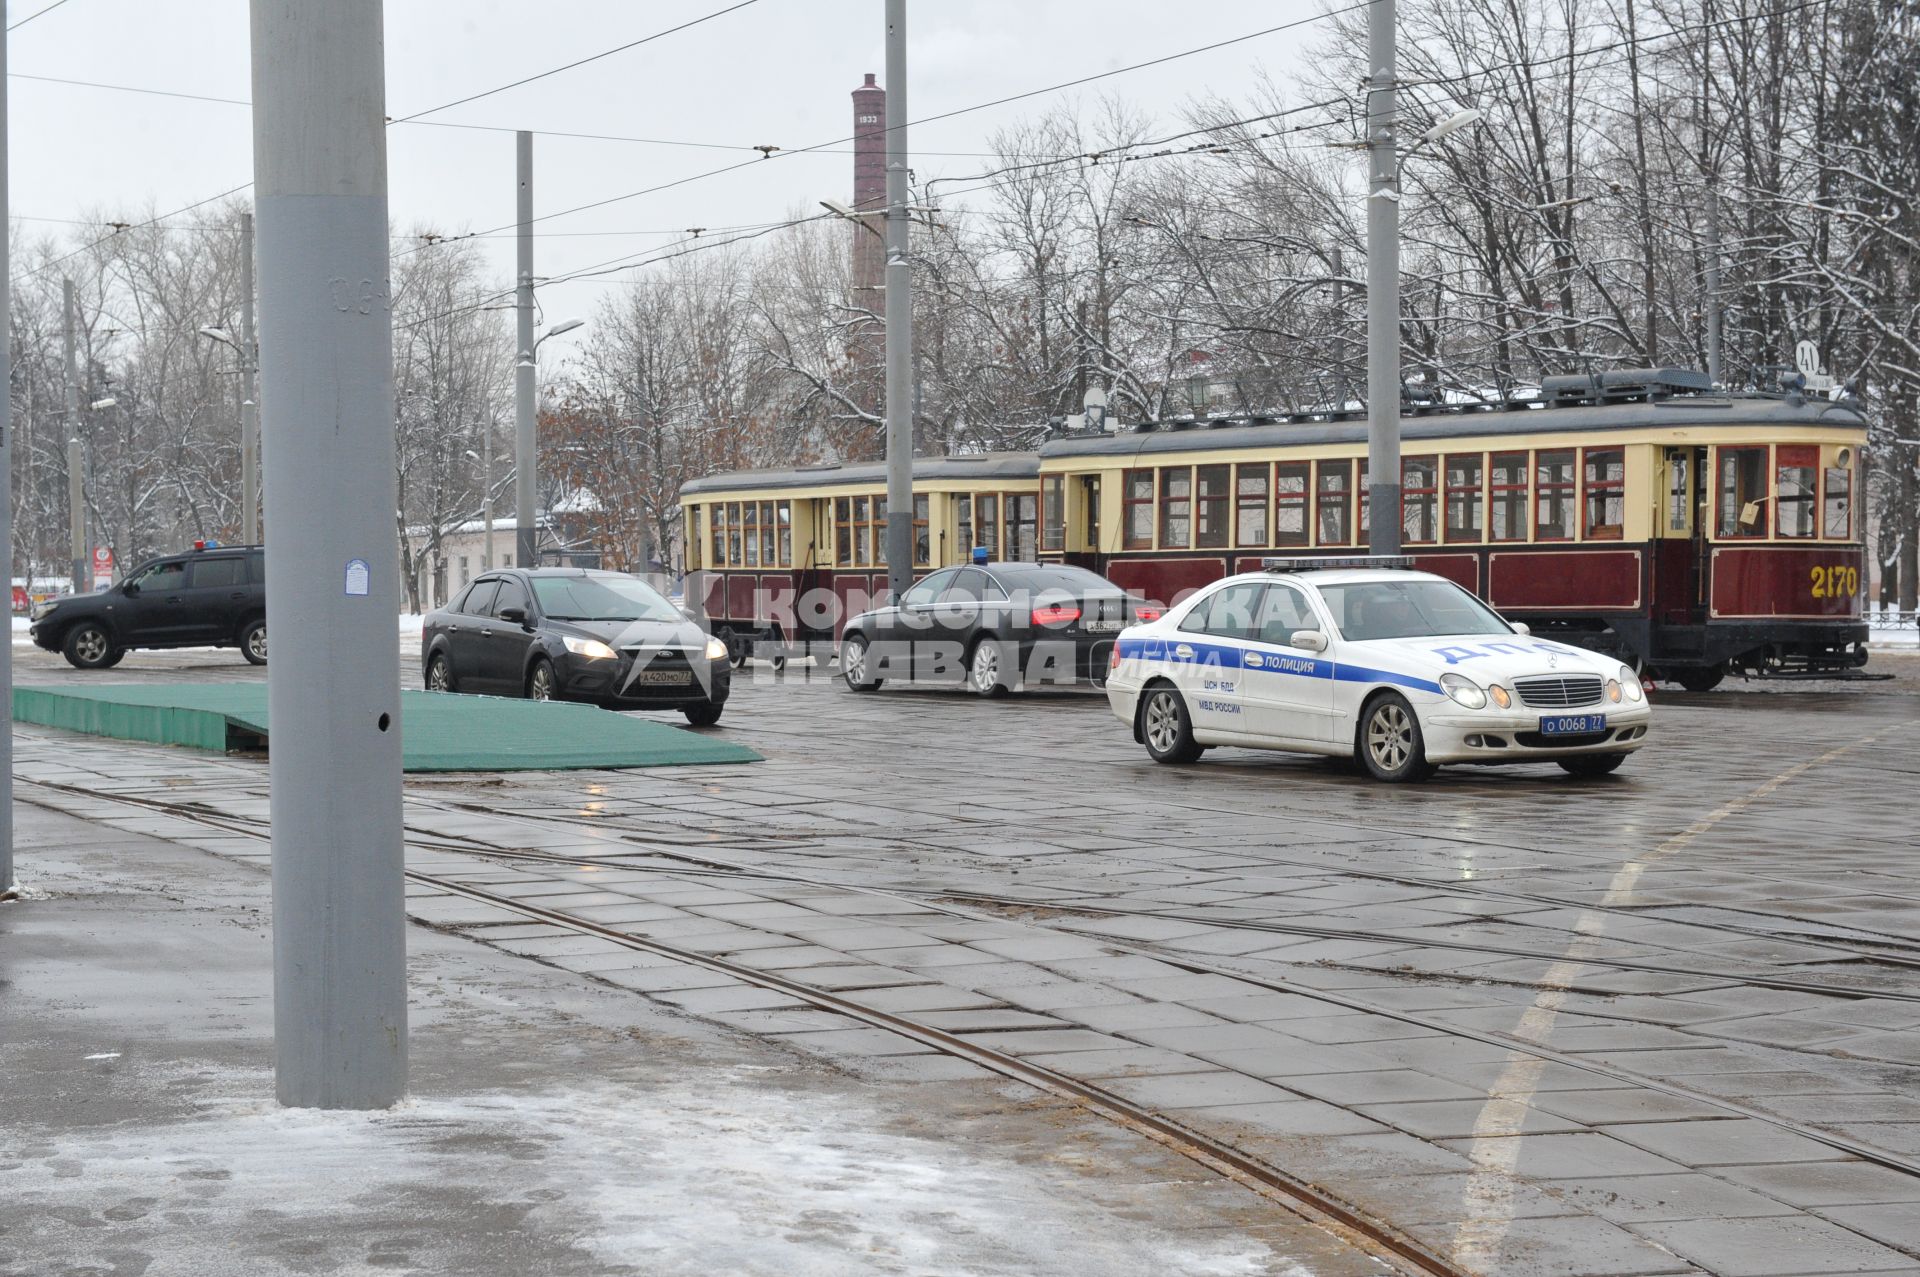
{"x":216,"y":597}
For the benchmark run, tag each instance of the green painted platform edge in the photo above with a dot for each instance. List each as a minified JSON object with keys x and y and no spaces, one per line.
{"x":154,"y":714}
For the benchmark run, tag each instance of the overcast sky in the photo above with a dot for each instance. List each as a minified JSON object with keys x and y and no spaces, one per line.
{"x":777,"y":72}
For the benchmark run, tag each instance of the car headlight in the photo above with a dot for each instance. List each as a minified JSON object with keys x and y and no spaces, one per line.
{"x":592,"y":649}
{"x":1630,"y":684}
{"x":40,"y":610}
{"x":716,"y":649}
{"x":1463,"y":691}
{"x":1500,"y":697}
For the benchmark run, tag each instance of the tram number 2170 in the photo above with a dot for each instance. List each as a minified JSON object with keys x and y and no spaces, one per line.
{"x":1836,"y":582}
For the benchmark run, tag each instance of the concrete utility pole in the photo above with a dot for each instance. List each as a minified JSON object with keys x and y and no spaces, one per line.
{"x":250,"y":394}
{"x":1383,"y":285}
{"x":486,"y":491}
{"x":899,"y":314}
{"x":78,"y":548}
{"x":7,"y":881}
{"x":339,"y":920}
{"x":526,"y":477}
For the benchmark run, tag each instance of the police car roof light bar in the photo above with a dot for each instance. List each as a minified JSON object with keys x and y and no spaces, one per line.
{"x":1338,"y":561}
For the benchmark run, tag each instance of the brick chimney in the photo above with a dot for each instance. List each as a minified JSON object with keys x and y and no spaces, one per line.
{"x":869,"y":192}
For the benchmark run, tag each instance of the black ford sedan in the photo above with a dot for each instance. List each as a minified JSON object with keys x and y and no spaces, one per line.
{"x":568,"y":634}
{"x":992,"y":627}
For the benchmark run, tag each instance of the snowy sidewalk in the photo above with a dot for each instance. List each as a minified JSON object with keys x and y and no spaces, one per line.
{"x":558,"y":1126}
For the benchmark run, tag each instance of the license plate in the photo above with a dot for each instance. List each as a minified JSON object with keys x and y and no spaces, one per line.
{"x":1104,"y":627}
{"x":664,"y":676}
{"x":1573,"y":724}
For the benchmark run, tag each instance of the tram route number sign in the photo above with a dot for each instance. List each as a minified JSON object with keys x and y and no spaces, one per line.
{"x":1806,"y":357}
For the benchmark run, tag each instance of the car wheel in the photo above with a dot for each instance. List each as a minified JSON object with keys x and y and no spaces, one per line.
{"x":704,"y":715}
{"x":984,"y":675}
{"x":1391,"y":748}
{"x":540,"y":681}
{"x":113,"y":658}
{"x":855,"y":652}
{"x":253,"y":641}
{"x":440,"y":674}
{"x":1699,"y":680}
{"x":1589,"y":765}
{"x":88,"y":647}
{"x":1167,"y":728}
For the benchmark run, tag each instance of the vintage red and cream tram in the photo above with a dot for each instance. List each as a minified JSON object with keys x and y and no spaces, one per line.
{"x":1690,"y":533}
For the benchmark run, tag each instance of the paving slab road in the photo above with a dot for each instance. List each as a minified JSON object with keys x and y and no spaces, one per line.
{"x":1663,"y":1022}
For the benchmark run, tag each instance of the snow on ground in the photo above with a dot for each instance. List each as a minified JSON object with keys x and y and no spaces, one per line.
{"x":734,"y":1176}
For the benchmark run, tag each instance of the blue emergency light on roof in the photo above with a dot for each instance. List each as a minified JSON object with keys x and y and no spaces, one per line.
{"x":980,"y":554}
{"x":1337,"y":561}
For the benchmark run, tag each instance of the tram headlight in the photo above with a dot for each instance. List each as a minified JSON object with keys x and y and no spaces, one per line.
{"x":1463,"y":691}
{"x":1630,"y":684}
{"x":1500,"y":697}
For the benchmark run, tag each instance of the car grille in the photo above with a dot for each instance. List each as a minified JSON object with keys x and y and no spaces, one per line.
{"x":1558,"y":693}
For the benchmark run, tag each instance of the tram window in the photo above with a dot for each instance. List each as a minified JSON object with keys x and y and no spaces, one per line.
{"x":986,"y":509}
{"x":785,"y":516}
{"x":1364,"y":488}
{"x":1023,"y":518}
{"x":1553,"y":495}
{"x":1250,"y":484}
{"x":1211,"y":503}
{"x":692,"y":537}
{"x":1838,"y":517}
{"x":877,"y":531}
{"x":1679,"y":492}
{"x":1137,"y":523}
{"x":862,"y":534}
{"x":1796,"y":472}
{"x":1507,"y":496}
{"x":1333,"y":497}
{"x":733,"y":533}
{"x":963,"y":516}
{"x":1053,"y":512}
{"x":1176,"y":508}
{"x":717,"y":515}
{"x":842,"y":532}
{"x":1463,"y":496}
{"x":1290,"y":503}
{"x":750,"y":534}
{"x":1741,"y":508}
{"x":769,"y":536}
{"x":1419,"y":495}
{"x":922,"y":532}
{"x":1606,"y":486}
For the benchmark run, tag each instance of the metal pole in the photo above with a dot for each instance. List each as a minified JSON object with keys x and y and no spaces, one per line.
{"x":8,"y":886}
{"x":899,"y":314}
{"x":1383,"y":286}
{"x":486,"y":492}
{"x":339,"y":920}
{"x":524,"y":441}
{"x":78,"y":548}
{"x":250,"y":394}
{"x":1713,"y":280}
{"x":1340,"y":331}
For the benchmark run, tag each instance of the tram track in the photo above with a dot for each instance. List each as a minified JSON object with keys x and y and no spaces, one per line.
{"x":197,"y":813}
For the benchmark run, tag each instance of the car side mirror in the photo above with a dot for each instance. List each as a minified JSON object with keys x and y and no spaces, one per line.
{"x":131,"y":589}
{"x":514,"y":615}
{"x":692,"y":615}
{"x":1308,"y":640}
{"x":1520,"y":627}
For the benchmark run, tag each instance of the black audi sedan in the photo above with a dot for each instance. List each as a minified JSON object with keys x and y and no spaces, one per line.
{"x":992,"y":627}
{"x":569,"y":634}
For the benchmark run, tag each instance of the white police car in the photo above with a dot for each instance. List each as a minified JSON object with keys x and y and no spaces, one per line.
{"x":1403,"y":670}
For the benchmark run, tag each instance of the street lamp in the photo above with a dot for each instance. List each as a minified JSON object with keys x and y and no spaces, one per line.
{"x":525,"y":439}
{"x":249,"y":356}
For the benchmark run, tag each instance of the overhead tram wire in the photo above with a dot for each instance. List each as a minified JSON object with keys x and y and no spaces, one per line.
{"x":39,"y":13}
{"x":948,"y":115}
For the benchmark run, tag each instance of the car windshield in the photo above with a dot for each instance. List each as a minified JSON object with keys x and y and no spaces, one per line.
{"x":609,"y":597}
{"x":1408,"y":609}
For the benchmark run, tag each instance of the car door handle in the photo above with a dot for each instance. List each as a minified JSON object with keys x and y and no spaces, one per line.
{"x":486,"y":633}
{"x":237,"y":594}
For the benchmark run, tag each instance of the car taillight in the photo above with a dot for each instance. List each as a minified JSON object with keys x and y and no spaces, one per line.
{"x":1056,"y":614}
{"x":1141,"y":613}
{"x":1113,"y":660}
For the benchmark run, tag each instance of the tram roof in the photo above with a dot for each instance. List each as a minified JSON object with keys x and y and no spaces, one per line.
{"x":1678,"y":412}
{"x":979,"y":465}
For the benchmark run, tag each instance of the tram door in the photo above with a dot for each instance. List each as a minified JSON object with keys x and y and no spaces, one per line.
{"x":1680,"y":566}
